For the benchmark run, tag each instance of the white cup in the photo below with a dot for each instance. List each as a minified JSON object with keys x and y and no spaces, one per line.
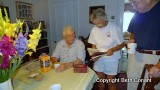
{"x":56,"y":65}
{"x":55,"y":87}
{"x":132,"y":48}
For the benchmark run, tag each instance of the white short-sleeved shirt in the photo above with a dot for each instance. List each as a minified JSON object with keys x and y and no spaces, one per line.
{"x":65,"y":54}
{"x":106,"y":38}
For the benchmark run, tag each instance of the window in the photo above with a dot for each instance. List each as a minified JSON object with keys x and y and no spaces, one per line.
{"x":126,"y":20}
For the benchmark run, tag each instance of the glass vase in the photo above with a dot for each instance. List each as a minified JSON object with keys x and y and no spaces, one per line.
{"x":7,"y":85}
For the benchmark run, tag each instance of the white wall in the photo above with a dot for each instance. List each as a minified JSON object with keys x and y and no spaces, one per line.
{"x":41,"y":11}
{"x":112,"y":8}
{"x":83,"y":15}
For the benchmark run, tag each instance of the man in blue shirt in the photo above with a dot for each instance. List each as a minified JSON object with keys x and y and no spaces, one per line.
{"x":68,"y":51}
{"x":145,"y":31}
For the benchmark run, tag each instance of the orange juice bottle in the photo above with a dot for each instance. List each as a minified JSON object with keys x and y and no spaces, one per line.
{"x":45,"y":63}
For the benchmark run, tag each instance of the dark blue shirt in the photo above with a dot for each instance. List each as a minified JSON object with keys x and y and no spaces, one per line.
{"x":146,"y":29}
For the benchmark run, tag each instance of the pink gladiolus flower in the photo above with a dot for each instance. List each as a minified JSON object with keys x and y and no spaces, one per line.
{"x":7,"y":49}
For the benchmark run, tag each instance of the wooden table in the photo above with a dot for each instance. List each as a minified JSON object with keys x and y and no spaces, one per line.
{"x":67,"y":79}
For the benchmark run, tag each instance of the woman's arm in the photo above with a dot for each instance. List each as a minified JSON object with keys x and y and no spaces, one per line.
{"x":116,"y":48}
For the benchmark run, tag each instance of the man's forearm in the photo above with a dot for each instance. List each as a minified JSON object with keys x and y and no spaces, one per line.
{"x":71,"y":64}
{"x":78,"y":61}
{"x":54,"y":60}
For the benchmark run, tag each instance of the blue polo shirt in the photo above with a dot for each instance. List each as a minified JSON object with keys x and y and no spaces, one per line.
{"x":146,"y":29}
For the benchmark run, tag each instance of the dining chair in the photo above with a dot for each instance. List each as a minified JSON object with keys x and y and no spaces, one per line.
{"x":148,"y":85}
{"x":87,"y":45}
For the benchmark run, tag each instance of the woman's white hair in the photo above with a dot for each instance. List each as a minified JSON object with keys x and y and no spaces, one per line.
{"x":98,"y":14}
{"x":67,"y":28}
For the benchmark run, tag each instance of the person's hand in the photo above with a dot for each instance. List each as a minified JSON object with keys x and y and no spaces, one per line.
{"x":54,"y":60}
{"x":154,"y":72}
{"x":109,"y":52}
{"x":129,"y":41}
{"x":62,"y":67}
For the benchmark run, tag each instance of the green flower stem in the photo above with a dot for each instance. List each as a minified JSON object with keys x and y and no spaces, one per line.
{"x":16,"y":64}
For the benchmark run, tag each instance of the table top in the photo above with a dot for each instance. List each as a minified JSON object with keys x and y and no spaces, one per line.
{"x":67,"y":79}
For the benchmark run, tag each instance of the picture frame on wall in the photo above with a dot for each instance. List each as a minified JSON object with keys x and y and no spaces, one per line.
{"x":24,"y":10}
{"x":3,"y":12}
{"x":92,"y":8}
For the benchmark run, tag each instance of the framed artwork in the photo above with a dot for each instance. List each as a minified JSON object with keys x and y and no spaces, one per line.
{"x":24,"y":10}
{"x":7,"y":9}
{"x":92,"y":8}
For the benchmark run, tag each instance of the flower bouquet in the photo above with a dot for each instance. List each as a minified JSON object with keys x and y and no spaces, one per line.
{"x":14,"y":45}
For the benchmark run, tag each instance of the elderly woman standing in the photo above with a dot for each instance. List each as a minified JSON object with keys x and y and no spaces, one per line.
{"x":106,"y":37}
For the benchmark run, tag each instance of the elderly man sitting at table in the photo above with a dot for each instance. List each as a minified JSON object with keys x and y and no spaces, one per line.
{"x":68,"y":51}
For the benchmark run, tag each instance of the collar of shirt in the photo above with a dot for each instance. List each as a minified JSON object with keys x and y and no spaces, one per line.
{"x":65,"y":45}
